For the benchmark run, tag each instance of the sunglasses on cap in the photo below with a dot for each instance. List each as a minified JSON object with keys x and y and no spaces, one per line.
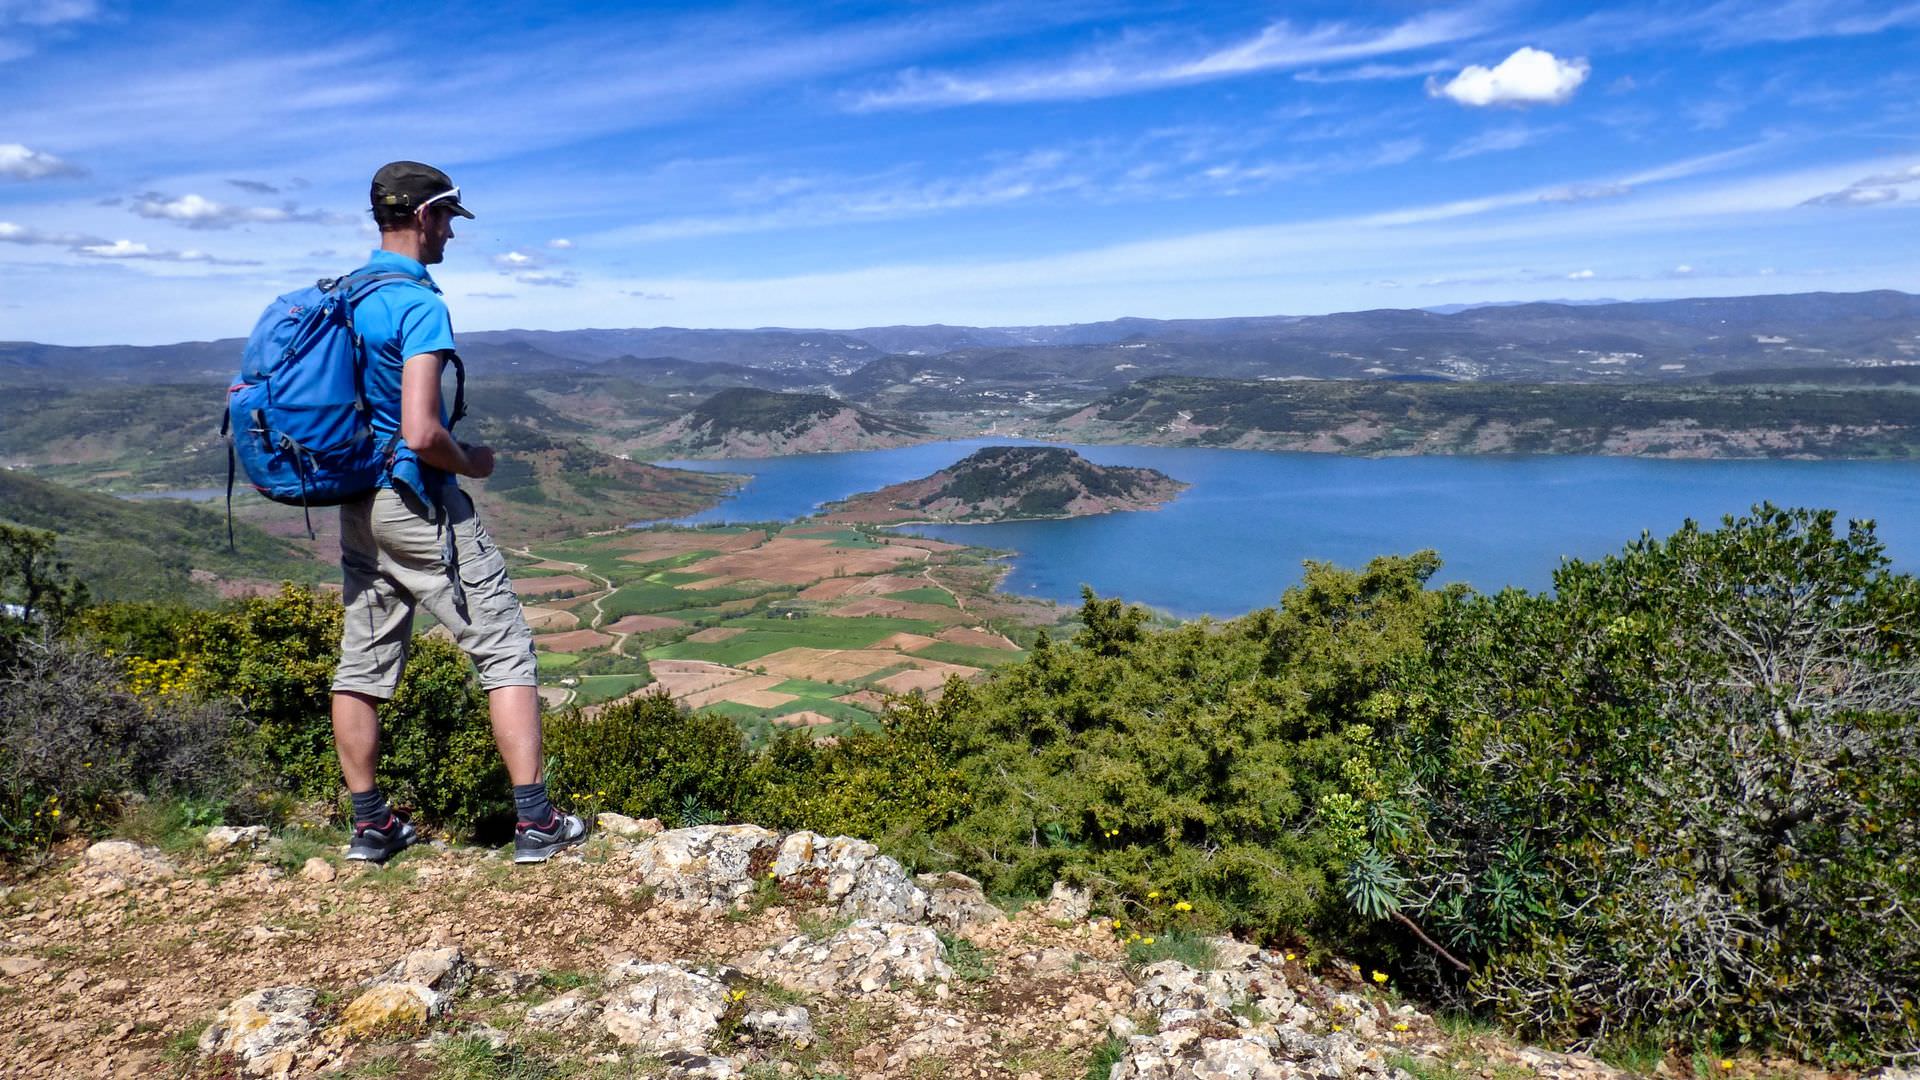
{"x":451,"y":193}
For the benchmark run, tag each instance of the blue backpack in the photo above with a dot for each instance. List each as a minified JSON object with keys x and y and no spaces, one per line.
{"x":297,"y":420}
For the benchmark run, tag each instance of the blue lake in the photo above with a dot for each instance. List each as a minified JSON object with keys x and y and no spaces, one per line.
{"x":1235,"y":539}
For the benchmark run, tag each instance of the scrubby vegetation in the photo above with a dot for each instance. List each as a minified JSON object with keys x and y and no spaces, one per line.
{"x":1677,"y":798}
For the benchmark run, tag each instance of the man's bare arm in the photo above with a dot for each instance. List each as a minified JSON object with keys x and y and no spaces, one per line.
{"x":420,"y":422}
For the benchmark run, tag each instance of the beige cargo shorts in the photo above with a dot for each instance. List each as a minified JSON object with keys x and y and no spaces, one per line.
{"x":395,"y":556}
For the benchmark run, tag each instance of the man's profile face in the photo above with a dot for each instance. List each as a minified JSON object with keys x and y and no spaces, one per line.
{"x":436,"y":228}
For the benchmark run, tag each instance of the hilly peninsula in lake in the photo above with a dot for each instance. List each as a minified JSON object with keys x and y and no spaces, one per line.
{"x":1010,"y":483}
{"x":744,"y":422}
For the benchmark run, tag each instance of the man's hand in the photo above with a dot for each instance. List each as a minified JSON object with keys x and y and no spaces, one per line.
{"x":479,"y":461}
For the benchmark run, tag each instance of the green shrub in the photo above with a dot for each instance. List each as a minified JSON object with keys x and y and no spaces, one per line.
{"x":1679,"y":795}
{"x":274,"y":657}
{"x":648,"y":757}
{"x":1190,"y":762}
{"x":896,"y":786}
{"x":74,"y":739}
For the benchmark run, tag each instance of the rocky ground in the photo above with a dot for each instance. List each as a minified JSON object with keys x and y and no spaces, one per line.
{"x":719,"y":951}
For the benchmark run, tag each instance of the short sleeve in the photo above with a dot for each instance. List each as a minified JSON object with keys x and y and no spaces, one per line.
{"x":423,"y":325}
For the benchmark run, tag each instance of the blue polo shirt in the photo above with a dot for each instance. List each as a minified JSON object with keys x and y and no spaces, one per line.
{"x":398,"y":320}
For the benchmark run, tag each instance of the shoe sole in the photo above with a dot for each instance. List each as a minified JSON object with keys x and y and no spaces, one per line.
{"x":543,"y":856}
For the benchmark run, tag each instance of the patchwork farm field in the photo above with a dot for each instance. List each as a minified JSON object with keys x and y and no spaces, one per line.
{"x":801,"y":626}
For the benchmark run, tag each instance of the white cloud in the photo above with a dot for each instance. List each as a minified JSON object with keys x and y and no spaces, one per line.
{"x":1499,"y":139}
{"x":19,"y":162}
{"x":1869,"y":191}
{"x":516,"y":260}
{"x":1683,"y":268}
{"x":1855,"y":196}
{"x":1371,"y":72}
{"x":1135,"y":65}
{"x":199,"y":212}
{"x":46,"y":12}
{"x":1908,"y":175}
{"x":1585,"y":193}
{"x":560,"y":243}
{"x":1580,"y":275}
{"x":1528,"y":77}
{"x":11,"y":233}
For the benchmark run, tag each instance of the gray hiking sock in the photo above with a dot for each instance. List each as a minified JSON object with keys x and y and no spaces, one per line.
{"x":531,"y":803}
{"x":370,"y":806}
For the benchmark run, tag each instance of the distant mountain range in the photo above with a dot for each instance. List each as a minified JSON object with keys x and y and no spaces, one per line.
{"x":1559,"y":342}
{"x":747,"y":423}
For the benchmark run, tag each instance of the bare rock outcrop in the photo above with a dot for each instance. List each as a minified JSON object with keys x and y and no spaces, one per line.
{"x":263,"y":1031}
{"x":864,"y":958}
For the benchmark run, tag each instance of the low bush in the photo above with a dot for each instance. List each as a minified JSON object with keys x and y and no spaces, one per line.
{"x":273,"y":657}
{"x":1679,"y":795}
{"x":74,"y":739}
{"x":648,"y":757}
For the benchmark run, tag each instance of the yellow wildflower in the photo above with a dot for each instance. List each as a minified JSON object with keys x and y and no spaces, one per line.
{"x":1380,"y":977}
{"x":1401,"y":1026}
{"x":1289,"y":956}
{"x":1726,"y":1064}
{"x":1153,"y":894}
{"x":1183,"y":906}
{"x":1143,"y":941}
{"x":1337,"y":1027}
{"x":1116,"y":924}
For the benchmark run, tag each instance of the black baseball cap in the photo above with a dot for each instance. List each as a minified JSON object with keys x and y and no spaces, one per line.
{"x":409,"y":185}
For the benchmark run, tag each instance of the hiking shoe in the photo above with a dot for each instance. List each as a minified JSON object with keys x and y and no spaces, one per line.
{"x":537,"y":843}
{"x":377,"y":844}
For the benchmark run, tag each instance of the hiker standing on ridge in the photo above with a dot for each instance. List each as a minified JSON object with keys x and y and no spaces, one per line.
{"x":414,"y":541}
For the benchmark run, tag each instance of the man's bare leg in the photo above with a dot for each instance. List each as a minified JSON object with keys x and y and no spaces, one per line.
{"x":356,"y":736}
{"x":516,"y":731}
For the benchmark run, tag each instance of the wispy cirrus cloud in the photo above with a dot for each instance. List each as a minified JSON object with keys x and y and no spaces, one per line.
{"x":199,"y":212}
{"x":1875,"y":190}
{"x":20,"y":162}
{"x":1164,"y":165}
{"x":98,"y":247}
{"x":1140,"y":62}
{"x":1375,"y":72}
{"x":1496,"y":140}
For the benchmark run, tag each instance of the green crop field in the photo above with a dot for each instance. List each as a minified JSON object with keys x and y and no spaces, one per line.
{"x":594,"y":689}
{"x":765,"y":636}
{"x":970,"y":655}
{"x":927,"y":595}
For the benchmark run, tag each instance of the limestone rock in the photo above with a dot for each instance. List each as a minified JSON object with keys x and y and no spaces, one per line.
{"x":1066,"y":903}
{"x":621,"y":825}
{"x":851,"y":875}
{"x":1188,"y":1054}
{"x":1552,"y":1066}
{"x":570,"y":1010}
{"x":1232,"y":955}
{"x":234,"y":838}
{"x":318,"y":869}
{"x":15,"y":966}
{"x":389,"y":1006}
{"x":121,"y":863}
{"x":866,"y":957}
{"x":792,"y":1024}
{"x":683,"y":1065}
{"x":711,"y":865}
{"x":1170,"y":986}
{"x":956,"y":901}
{"x":665,"y":1007}
{"x":446,"y":970}
{"x":947,"y":1036}
{"x":263,"y":1030}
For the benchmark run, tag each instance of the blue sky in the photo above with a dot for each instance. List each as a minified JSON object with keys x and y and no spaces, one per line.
{"x":167,"y":168}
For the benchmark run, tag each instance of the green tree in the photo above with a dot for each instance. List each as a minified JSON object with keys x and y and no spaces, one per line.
{"x":1681,"y":793}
